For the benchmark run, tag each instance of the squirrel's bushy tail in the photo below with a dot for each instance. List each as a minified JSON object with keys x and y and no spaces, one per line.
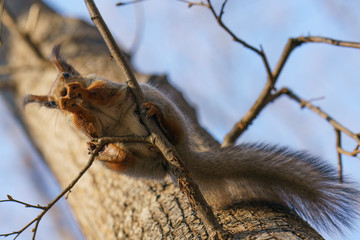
{"x":258,"y":172}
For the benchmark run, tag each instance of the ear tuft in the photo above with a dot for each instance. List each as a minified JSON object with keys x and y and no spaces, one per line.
{"x":42,"y":100}
{"x":60,"y":63}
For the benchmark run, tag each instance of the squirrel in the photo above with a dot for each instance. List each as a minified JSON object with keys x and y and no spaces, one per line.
{"x":243,"y":173}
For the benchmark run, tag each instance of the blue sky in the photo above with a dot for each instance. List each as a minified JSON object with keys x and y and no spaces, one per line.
{"x":222,"y":79}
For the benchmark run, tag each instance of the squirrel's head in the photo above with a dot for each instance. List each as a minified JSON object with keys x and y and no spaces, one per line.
{"x":66,"y":74}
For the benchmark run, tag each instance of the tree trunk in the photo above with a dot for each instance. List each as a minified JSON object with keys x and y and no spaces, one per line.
{"x":106,"y":204}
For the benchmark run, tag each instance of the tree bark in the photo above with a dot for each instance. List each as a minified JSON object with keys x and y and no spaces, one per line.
{"x":106,"y":204}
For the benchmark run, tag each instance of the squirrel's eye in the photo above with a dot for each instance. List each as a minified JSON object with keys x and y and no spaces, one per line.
{"x":52,"y":103}
{"x":66,"y":75}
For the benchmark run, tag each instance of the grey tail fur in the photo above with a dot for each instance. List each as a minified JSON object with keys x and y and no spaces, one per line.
{"x":281,"y":175}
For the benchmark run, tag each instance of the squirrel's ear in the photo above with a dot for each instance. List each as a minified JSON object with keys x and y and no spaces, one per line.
{"x":60,"y":63}
{"x":42,"y":100}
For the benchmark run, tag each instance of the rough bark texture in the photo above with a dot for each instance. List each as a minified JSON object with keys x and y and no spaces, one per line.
{"x":108,"y":205}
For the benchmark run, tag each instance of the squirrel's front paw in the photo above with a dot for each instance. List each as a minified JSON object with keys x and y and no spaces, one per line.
{"x":68,"y":104}
{"x":63,"y":102}
{"x":74,"y":90}
{"x":151,"y":109}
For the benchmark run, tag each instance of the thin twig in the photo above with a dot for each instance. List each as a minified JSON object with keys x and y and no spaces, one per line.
{"x":338,"y":147}
{"x":235,"y":38}
{"x":272,"y":77}
{"x":339,"y":128}
{"x":100,"y":143}
{"x":289,"y":47}
{"x":114,"y":49}
{"x":27,"y":205}
{"x":318,"y":39}
{"x":51,"y":204}
{"x":354,"y":153}
{"x":128,"y":3}
{"x":265,"y":96}
{"x":263,"y":99}
{"x":260,"y":103}
{"x":222,"y":10}
{"x":260,"y":51}
{"x":17,"y":233}
{"x":190,"y":4}
{"x":130,"y":138}
{"x":335,"y":124}
{"x":292,"y":43}
{"x":321,"y":113}
{"x":187,"y":186}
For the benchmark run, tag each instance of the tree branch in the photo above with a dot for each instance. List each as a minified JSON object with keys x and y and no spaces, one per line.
{"x":354,"y":153}
{"x":332,"y":121}
{"x":265,"y":96}
{"x":272,"y":77}
{"x":260,"y":103}
{"x":317,"y":39}
{"x":187,"y":186}
{"x":260,"y":51}
{"x":52,"y":203}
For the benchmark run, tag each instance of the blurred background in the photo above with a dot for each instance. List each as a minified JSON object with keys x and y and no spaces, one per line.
{"x":220,"y":78}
